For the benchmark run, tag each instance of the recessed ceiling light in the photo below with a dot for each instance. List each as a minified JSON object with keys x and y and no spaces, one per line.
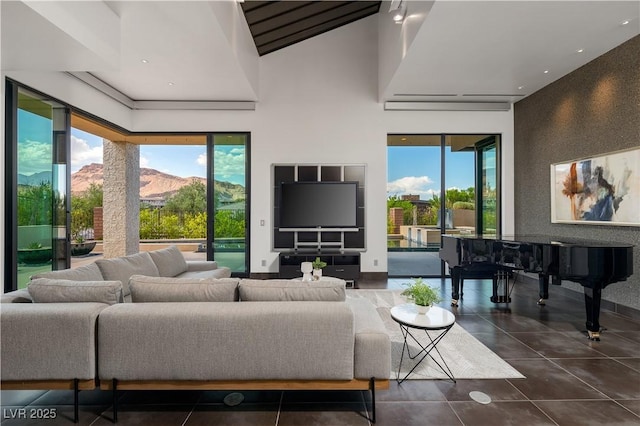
{"x":580,"y":50}
{"x":520,"y":87}
{"x":144,"y":61}
{"x":403,"y":139}
{"x":171,"y":83}
{"x":546,"y":71}
{"x":625,"y":22}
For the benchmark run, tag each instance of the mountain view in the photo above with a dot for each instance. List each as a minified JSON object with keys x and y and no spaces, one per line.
{"x":153,"y":183}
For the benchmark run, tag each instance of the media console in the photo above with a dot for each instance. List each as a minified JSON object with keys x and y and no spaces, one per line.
{"x":345,"y":265}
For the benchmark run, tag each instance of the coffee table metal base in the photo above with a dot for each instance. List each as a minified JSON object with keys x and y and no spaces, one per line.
{"x":424,"y":351}
{"x":435,"y":323}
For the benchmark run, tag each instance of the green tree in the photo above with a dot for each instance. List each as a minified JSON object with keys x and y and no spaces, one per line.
{"x":82,"y":206}
{"x":406,"y":206}
{"x":455,"y":195}
{"x":195,"y":226}
{"x":190,"y":198}
{"x":170,"y":226}
{"x":35,"y":204}
{"x":229,"y":224}
{"x":148,"y":219}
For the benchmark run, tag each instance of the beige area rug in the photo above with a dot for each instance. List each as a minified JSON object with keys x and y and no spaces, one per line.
{"x":465,"y":355}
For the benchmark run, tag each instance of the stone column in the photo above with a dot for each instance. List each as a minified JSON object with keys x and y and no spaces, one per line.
{"x":121,"y":200}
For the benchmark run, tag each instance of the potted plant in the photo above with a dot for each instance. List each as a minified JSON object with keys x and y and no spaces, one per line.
{"x":35,"y":253}
{"x":79,"y":247}
{"x":318,"y":264}
{"x":421,"y":294}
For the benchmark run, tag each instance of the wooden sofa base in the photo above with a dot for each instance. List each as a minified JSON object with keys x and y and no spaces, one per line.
{"x":47,"y":384}
{"x":355,"y":384}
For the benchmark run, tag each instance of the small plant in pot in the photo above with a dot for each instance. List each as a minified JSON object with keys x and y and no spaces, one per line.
{"x":318,"y":264}
{"x":420,"y":293}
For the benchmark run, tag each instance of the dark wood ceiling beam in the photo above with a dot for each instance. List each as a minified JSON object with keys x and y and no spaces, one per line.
{"x":326,"y":18}
{"x":294,"y":16}
{"x":309,"y":32}
{"x":273,"y":10}
{"x":277,"y":24}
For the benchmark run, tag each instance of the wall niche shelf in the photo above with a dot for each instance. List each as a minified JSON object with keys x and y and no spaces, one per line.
{"x":322,"y":238}
{"x":322,"y":241}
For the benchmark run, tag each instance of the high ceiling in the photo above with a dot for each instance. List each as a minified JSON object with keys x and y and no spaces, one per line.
{"x":278,"y":24}
{"x":452,"y":51}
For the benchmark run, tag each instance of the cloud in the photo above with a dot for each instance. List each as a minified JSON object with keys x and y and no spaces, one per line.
{"x":82,"y":153}
{"x":228,"y":163}
{"x":144,"y":162}
{"x":418,"y":185}
{"x":36,"y":157}
{"x":202,"y":160}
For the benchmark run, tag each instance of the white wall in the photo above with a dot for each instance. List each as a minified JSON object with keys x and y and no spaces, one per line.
{"x":318,"y":104}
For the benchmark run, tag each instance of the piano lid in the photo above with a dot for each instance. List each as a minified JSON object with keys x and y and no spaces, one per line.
{"x":544,"y":240}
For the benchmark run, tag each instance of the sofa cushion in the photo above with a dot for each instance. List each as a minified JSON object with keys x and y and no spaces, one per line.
{"x":169,"y":261}
{"x":291,"y":290}
{"x":89,"y":272}
{"x":221,"y":272}
{"x":161,"y":289}
{"x":47,"y":290}
{"x":122,"y":268}
{"x":17,"y":296}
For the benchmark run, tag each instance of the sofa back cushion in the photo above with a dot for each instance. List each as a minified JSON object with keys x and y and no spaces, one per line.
{"x":122,"y":268}
{"x":47,"y":290}
{"x":161,"y":289}
{"x":89,"y":272}
{"x":291,"y":290}
{"x":169,"y":261}
{"x":205,"y":341}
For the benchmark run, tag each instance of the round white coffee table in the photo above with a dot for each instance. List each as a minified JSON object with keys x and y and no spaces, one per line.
{"x":438,"y":321}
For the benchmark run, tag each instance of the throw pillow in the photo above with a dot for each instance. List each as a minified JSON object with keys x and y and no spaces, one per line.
{"x":290,"y":290}
{"x":169,"y":261}
{"x":46,"y":290}
{"x":161,"y":289}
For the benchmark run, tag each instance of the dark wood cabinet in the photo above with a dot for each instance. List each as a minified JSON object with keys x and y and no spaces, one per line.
{"x":345,"y":265}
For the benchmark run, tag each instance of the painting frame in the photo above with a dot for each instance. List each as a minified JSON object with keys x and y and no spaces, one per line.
{"x":597,"y":190}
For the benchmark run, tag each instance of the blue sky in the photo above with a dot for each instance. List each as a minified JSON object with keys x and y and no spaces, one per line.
{"x":411,"y":170}
{"x":416,"y":170}
{"x":178,"y":160}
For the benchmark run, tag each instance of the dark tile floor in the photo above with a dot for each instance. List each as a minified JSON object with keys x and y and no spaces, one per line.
{"x":570,"y":380}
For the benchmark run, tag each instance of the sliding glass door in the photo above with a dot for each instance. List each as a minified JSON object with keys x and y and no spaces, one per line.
{"x":438,"y":184}
{"x":488,"y":180}
{"x":37,"y":219}
{"x":228,"y":201}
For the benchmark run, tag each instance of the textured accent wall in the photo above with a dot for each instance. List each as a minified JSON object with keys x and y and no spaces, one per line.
{"x":593,"y":110}
{"x":121,"y":204}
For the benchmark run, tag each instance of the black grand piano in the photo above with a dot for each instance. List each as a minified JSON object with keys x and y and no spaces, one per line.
{"x":593,"y":264}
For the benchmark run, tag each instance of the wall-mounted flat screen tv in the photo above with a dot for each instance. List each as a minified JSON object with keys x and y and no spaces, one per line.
{"x":311,"y":205}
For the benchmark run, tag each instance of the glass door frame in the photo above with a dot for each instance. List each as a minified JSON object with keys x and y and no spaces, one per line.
{"x":211,"y":209}
{"x":492,"y":141}
{"x":61,"y":183}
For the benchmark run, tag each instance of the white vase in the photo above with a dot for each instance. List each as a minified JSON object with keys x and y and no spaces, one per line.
{"x":422,"y":309}
{"x":317,"y":274}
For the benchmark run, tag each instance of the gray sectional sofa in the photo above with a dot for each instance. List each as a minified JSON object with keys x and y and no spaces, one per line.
{"x":76,"y":331}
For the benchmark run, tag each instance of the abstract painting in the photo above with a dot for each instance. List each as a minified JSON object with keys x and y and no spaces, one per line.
{"x":601,"y":190}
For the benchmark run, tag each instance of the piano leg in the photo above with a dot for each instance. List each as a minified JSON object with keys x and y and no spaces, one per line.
{"x":543,"y":288}
{"x":592,"y":298}
{"x":456,"y":274}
